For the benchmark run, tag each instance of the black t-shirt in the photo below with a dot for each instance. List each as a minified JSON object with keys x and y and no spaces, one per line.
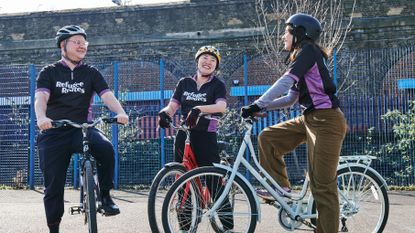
{"x":188,"y":96}
{"x":71,"y":92}
{"x":313,"y":81}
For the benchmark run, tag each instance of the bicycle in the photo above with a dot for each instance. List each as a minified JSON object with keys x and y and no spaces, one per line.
{"x":362,"y":195}
{"x":90,"y":198}
{"x":171,"y":172}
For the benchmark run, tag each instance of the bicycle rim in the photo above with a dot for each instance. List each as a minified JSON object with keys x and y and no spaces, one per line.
{"x":364,"y":202}
{"x":186,"y":204}
{"x":90,"y":199}
{"x":158,"y":190}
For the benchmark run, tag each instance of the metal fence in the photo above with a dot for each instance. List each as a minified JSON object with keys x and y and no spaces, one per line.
{"x":370,"y":84}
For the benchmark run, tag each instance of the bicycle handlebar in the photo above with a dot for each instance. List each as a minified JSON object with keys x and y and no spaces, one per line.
{"x":184,"y":127}
{"x":254,"y":117}
{"x":66,"y":122}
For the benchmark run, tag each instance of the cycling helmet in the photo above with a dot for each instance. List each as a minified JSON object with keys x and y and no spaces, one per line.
{"x":68,"y":31}
{"x":311,"y":26}
{"x":209,"y":50}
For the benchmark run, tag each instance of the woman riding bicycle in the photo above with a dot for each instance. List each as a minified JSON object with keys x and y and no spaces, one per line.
{"x":322,"y":125}
{"x":201,"y":93}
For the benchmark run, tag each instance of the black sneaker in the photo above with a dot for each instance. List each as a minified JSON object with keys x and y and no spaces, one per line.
{"x":109,"y":207}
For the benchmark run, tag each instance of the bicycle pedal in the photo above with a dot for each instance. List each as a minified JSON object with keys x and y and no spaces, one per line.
{"x":267,"y":201}
{"x":75,"y":210}
{"x":101,"y":210}
{"x":272,"y":203}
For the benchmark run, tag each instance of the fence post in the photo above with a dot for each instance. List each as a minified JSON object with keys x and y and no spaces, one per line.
{"x":245,"y":80}
{"x":335,"y":67}
{"x":75,"y":171}
{"x":32,"y":73}
{"x":114,"y":129}
{"x":162,"y":142}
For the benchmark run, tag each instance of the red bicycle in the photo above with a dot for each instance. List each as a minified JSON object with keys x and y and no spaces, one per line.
{"x":169,"y":174}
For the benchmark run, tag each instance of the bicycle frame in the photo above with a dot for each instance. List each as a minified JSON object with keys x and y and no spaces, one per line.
{"x":85,"y":155}
{"x":189,"y":162}
{"x":265,"y":179}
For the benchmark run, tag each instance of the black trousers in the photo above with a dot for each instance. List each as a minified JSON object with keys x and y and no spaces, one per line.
{"x":56,"y":147}
{"x":205,"y":147}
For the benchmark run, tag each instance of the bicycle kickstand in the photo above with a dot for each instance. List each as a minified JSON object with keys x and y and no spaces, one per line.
{"x":344,"y":227}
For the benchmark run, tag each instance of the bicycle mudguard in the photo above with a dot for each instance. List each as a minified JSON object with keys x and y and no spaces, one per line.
{"x":171,"y":164}
{"x":247,"y":183}
{"x":345,"y":165}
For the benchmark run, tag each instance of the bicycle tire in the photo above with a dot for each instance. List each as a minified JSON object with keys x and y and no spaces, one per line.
{"x":373,"y":193}
{"x":199,"y":206}
{"x":90,"y":199}
{"x":159,"y":187}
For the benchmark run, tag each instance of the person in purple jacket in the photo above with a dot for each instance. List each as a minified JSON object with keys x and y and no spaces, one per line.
{"x":65,"y":90}
{"x":322,"y":125}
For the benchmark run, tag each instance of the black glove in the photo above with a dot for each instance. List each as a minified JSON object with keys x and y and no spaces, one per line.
{"x":248,"y":111}
{"x":164,"y":120}
{"x":191,"y":119}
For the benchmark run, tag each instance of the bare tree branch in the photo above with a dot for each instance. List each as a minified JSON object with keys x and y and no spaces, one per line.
{"x":271,"y":18}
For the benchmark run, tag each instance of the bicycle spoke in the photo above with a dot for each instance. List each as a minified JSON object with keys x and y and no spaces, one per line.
{"x":237,"y":211}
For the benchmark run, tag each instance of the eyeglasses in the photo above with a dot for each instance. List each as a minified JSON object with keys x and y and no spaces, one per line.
{"x":79,"y":43}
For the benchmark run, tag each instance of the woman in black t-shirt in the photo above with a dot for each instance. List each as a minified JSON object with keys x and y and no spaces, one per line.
{"x":201,"y":93}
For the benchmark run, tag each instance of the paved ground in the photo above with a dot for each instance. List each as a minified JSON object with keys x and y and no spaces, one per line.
{"x":22,"y":212}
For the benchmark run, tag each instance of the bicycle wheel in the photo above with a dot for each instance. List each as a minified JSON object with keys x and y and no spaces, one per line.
{"x":90,"y":199}
{"x":193,"y":194}
{"x":159,"y":187}
{"x":364,"y":202}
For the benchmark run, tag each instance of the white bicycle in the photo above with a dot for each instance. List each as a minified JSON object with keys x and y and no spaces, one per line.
{"x":364,"y":203}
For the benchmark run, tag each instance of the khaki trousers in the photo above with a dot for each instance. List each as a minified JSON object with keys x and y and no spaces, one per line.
{"x":323,"y":131}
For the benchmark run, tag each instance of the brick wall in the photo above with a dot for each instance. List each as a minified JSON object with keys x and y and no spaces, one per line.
{"x":135,"y":32}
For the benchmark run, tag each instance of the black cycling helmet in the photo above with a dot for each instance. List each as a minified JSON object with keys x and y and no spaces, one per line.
{"x":311,"y":26}
{"x":68,"y":31}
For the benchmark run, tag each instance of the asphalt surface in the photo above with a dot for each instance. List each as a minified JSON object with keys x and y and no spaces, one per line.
{"x":22,"y":212}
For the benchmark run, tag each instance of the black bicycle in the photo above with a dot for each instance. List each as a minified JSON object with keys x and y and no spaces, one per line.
{"x":90,"y":198}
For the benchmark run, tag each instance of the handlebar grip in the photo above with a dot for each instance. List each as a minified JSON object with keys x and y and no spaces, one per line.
{"x":110,"y":120}
{"x":58,"y":124}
